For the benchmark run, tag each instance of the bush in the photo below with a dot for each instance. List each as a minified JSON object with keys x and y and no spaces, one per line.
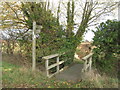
{"x":108,"y":49}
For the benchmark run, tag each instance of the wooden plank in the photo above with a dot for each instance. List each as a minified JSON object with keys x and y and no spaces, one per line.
{"x":34,"y":47}
{"x":51,"y":66}
{"x":90,"y":63}
{"x":56,"y":64}
{"x":86,"y":66}
{"x":51,"y":56}
{"x":46,"y":66}
{"x":52,"y":75}
{"x":86,"y":57}
{"x":55,"y":73}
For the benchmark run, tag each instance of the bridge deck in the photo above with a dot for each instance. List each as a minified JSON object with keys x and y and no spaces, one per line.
{"x":72,"y":73}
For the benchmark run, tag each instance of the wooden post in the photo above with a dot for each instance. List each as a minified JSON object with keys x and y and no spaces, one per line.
{"x":58,"y":64}
{"x":90,"y":63}
{"x":119,"y":11}
{"x":34,"y":47}
{"x":46,"y":66}
{"x":1,"y":62}
{"x":87,"y":63}
{"x":84,"y":66}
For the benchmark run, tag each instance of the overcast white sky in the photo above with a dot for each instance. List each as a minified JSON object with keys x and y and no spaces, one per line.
{"x":89,"y":35}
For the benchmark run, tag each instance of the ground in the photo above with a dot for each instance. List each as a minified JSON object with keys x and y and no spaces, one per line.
{"x":16,"y":75}
{"x":73,"y":73}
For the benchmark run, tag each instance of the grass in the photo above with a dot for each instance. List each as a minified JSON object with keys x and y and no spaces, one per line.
{"x":78,"y":61}
{"x":14,"y":76}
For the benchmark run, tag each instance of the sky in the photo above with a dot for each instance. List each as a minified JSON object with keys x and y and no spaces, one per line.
{"x":89,"y":35}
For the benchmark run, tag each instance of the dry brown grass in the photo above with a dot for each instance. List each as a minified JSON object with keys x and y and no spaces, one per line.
{"x":16,"y":59}
{"x":99,"y":81}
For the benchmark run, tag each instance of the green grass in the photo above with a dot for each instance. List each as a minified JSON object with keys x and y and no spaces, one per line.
{"x":78,"y":61}
{"x":14,"y":76}
{"x":8,"y":65}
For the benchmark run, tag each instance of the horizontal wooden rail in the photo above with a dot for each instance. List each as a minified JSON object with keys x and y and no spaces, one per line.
{"x":58,"y":62}
{"x":88,"y":56}
{"x":50,"y":56}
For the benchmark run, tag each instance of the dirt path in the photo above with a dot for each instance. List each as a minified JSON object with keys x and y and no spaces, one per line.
{"x":72,"y":73}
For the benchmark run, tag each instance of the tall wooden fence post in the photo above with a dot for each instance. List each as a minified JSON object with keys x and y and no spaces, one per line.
{"x":34,"y":47}
{"x":46,"y":65}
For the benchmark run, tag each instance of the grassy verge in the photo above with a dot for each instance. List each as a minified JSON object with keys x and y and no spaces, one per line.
{"x":14,"y":76}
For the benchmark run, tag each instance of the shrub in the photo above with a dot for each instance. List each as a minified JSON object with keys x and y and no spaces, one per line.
{"x":108,"y":48}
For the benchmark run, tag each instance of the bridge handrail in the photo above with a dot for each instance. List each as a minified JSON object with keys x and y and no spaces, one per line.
{"x":47,"y":58}
{"x":51,"y":56}
{"x":88,"y":62}
{"x":87,"y":56}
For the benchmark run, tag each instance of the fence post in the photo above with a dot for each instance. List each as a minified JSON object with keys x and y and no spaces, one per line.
{"x":34,"y":47}
{"x":58,"y":64}
{"x":46,"y":65}
{"x":90,"y":63}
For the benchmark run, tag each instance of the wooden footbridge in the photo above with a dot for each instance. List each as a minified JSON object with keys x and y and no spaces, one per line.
{"x":72,"y":73}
